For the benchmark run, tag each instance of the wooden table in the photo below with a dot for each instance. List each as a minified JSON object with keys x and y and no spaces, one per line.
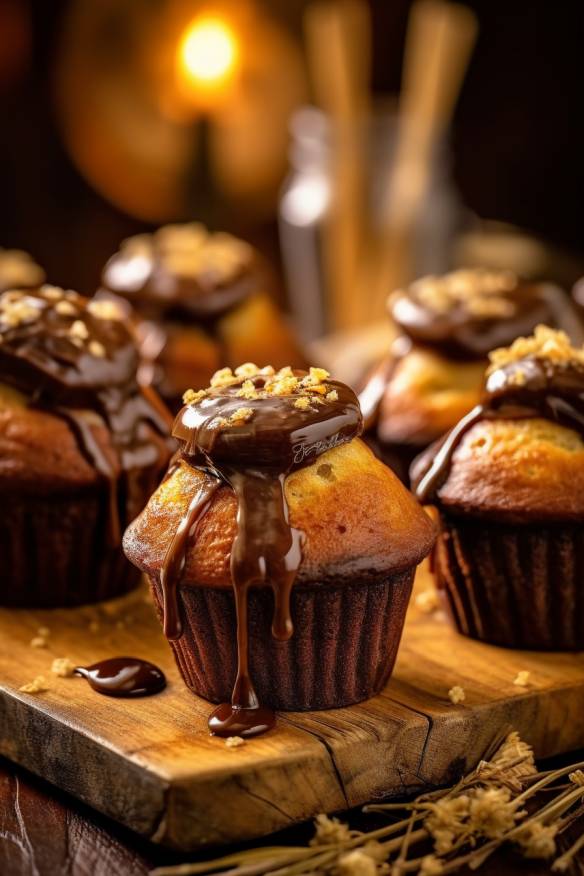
{"x":45,"y":833}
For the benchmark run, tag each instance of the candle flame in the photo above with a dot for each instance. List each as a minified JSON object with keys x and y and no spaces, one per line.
{"x":208,"y":53}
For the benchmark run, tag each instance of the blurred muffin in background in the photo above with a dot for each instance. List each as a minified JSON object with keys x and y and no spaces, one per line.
{"x":434,"y":372}
{"x":202,"y":300}
{"x":18,"y":270}
{"x":82,"y":446}
{"x":508,"y":483}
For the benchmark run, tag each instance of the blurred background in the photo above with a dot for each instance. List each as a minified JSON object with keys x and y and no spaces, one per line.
{"x":120,"y":115}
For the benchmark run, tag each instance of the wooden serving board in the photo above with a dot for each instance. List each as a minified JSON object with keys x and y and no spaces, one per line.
{"x":151,"y":764}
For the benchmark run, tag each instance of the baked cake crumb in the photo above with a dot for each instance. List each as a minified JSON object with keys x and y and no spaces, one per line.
{"x":427,"y":601}
{"x":302,"y":403}
{"x":190,"y":396}
{"x":457,"y":694}
{"x":522,"y":679}
{"x":63,"y":667}
{"x":234,"y":742}
{"x":37,"y":685}
{"x":38,"y":642}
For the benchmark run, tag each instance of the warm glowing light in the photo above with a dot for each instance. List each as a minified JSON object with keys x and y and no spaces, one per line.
{"x":208,"y":53}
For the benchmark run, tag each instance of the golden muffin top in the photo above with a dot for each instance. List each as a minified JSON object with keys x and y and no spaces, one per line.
{"x":520,"y":452}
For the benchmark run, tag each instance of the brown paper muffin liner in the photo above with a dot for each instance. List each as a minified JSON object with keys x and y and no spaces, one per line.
{"x":518,"y":586}
{"x":342,"y":651}
{"x":55,"y":553}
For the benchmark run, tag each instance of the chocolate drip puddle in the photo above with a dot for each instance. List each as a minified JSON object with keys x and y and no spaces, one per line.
{"x":250,"y":433}
{"x":124,"y":677}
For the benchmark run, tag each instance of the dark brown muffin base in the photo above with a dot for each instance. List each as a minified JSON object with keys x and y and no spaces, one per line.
{"x":343,"y":649}
{"x":54,"y":553}
{"x":517,"y":586}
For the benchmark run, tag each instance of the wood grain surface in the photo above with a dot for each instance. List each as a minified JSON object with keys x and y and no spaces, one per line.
{"x":151,"y":765}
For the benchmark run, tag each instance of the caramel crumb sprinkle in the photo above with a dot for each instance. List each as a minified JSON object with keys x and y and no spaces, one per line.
{"x":97,"y":349}
{"x":65,"y":308}
{"x":106,"y":309}
{"x":234,"y":742}
{"x":302,"y":403}
{"x":37,"y":685}
{"x":241,"y":415}
{"x":52,"y":293}
{"x":545,"y":343}
{"x":522,"y":678}
{"x":190,"y":396}
{"x":223,"y":377}
{"x":332,"y":396}
{"x":456,"y":694}
{"x":63,"y":667}
{"x":248,"y":369}
{"x":79,"y":330}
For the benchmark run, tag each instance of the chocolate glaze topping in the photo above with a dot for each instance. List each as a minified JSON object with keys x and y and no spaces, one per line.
{"x":183,"y":272}
{"x":250,"y":430}
{"x":76,"y":358}
{"x":527,"y":388}
{"x":468,"y":313}
{"x":124,"y":677}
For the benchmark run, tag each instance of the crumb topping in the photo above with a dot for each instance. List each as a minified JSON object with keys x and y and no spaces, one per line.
{"x":191,"y":251}
{"x":305,"y":393}
{"x":545,"y":343}
{"x":482,"y":293}
{"x":38,"y":642}
{"x":234,"y":742}
{"x":18,"y":268}
{"x":522,"y":678}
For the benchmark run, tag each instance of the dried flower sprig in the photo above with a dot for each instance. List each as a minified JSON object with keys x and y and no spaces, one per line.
{"x":444,"y":830}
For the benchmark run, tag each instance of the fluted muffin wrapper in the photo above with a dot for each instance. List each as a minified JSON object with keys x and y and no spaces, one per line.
{"x":343,"y":649}
{"x":55,"y":552}
{"x":514,"y":585}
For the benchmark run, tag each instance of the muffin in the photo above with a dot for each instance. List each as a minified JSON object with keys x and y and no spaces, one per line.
{"x":508,"y":482}
{"x":18,"y":270}
{"x":203,"y":302}
{"x":434,"y":373}
{"x":279,"y":543}
{"x":81,"y":448}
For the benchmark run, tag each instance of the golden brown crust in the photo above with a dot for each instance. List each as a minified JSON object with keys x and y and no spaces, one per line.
{"x":40,"y":454}
{"x":426,"y":396}
{"x":522,"y":470}
{"x":356,"y":516}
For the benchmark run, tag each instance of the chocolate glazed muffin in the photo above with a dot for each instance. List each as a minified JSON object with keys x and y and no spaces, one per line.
{"x":18,"y":270}
{"x":203,"y":302}
{"x":434,"y":373}
{"x":281,"y":551}
{"x":508,"y":482}
{"x":81,"y":448}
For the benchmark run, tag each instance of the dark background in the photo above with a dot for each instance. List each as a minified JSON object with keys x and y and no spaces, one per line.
{"x":518,"y":136}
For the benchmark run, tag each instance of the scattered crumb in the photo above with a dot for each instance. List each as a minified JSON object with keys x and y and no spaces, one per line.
{"x":332,"y":395}
{"x":427,"y":601}
{"x":43,"y":631}
{"x":234,"y":742}
{"x":63,"y":667}
{"x":38,"y":642}
{"x":248,"y":369}
{"x":38,"y":685}
{"x":545,"y":343}
{"x":65,"y":308}
{"x":522,"y":679}
{"x":79,"y":330}
{"x":302,"y":403}
{"x":190,"y":396}
{"x":241,"y":415}
{"x":457,"y":694}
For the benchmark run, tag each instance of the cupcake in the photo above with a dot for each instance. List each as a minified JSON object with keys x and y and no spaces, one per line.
{"x":18,"y":270}
{"x":508,"y":482}
{"x":203,"y":302}
{"x":434,"y":373}
{"x":81,"y":448}
{"x":281,"y":551}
